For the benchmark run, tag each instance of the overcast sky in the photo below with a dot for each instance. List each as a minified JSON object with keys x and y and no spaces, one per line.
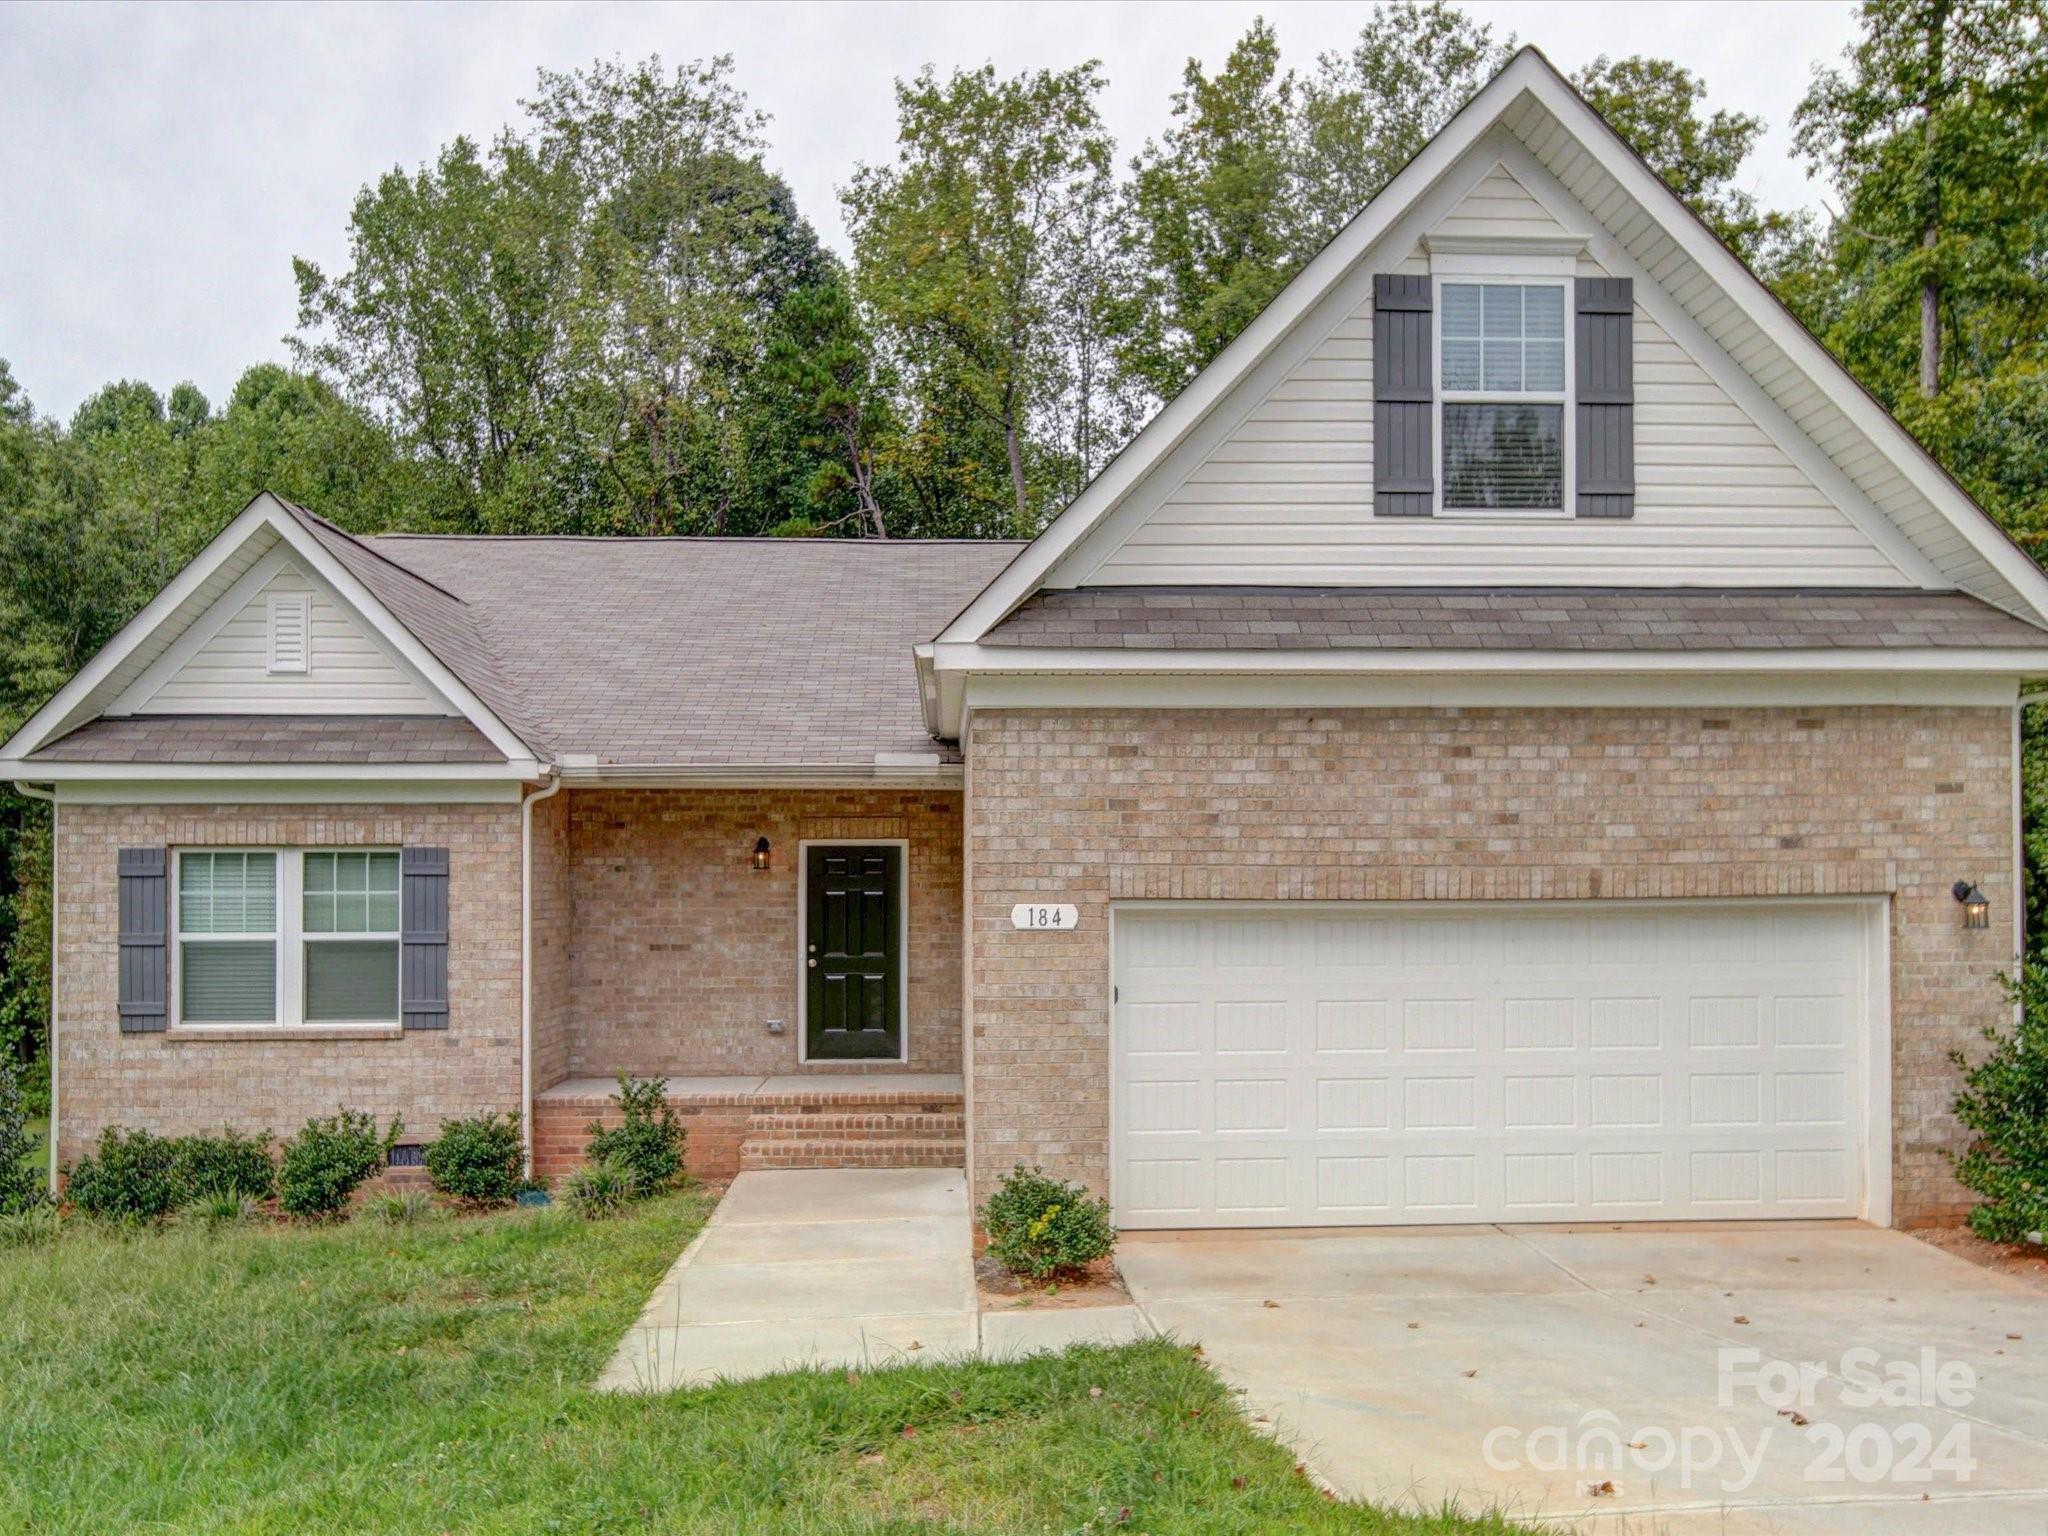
{"x":160,"y":165}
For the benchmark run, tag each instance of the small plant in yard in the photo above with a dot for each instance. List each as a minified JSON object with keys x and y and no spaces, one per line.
{"x":479,"y":1161}
{"x":400,"y":1208}
{"x":325,"y":1163}
{"x":21,"y":1183}
{"x":651,"y":1140}
{"x":601,"y":1189}
{"x":219,"y":1205}
{"x":31,"y":1227}
{"x":1043,"y":1227}
{"x":2004,"y":1102}
{"x":229,"y":1163}
{"x":128,"y":1176}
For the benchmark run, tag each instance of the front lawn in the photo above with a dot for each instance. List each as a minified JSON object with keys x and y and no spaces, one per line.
{"x":432,"y":1378}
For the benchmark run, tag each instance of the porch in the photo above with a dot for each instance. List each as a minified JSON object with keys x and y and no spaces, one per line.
{"x":898,"y":1120}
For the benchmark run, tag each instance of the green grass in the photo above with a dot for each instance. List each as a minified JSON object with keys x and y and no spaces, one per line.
{"x":433,"y":1378}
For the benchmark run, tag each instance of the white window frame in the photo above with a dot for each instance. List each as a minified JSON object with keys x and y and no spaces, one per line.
{"x":803,"y":949}
{"x":1482,"y":270}
{"x":288,"y":1010}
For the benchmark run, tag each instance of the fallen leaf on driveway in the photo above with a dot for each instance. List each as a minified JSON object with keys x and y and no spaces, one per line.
{"x":2015,"y":1335}
{"x":1415,"y":1325}
{"x":1741,"y":1319}
{"x":1472,"y":1373}
{"x":1604,"y":1490}
{"x":1273,"y":1304}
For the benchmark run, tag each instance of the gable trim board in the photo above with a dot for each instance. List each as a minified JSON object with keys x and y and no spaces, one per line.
{"x":265,"y":519}
{"x":1992,"y":566}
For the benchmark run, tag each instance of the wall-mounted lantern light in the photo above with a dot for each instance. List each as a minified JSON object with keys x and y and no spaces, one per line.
{"x":761,"y":853}
{"x":1976,"y":905}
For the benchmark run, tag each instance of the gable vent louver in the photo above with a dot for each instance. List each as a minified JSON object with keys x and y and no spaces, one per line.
{"x":291,"y":632}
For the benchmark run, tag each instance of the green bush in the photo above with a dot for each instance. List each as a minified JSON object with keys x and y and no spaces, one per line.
{"x":129,"y":1176}
{"x":327,"y":1160}
{"x":228,"y":1164}
{"x":479,"y":1160}
{"x":22,"y":1182}
{"x":2004,"y":1101}
{"x":601,"y":1189}
{"x":650,"y":1143}
{"x":1044,"y":1228}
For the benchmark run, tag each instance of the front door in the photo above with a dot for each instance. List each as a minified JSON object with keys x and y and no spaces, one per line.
{"x":853,"y":951}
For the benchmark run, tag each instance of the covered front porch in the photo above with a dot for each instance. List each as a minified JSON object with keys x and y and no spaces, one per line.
{"x":788,"y":959}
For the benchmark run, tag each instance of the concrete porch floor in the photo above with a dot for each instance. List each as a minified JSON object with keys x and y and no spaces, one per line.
{"x":843,"y":1267}
{"x":847,"y":1085}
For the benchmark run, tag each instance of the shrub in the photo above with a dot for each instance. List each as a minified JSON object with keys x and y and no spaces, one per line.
{"x":230,"y":1164}
{"x":650,"y":1143}
{"x":327,"y":1160}
{"x":130,"y":1176}
{"x":21,"y":1182}
{"x":602,"y":1188}
{"x":219,"y":1205}
{"x":479,"y":1161}
{"x":2004,"y":1101}
{"x":400,"y":1208}
{"x":1044,"y":1228}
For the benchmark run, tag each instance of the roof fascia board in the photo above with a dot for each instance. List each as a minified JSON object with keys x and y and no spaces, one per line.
{"x":1941,"y":660}
{"x":1518,"y":691}
{"x":1336,"y":304}
{"x":37,"y":771}
{"x":42,"y":726}
{"x":393,"y":631}
{"x":1187,"y":410}
{"x":1800,"y":347}
{"x":1734,"y":380}
{"x":209,"y":624}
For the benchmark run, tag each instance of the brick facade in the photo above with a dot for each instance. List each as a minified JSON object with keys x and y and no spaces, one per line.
{"x":175,"y":1083}
{"x":683,"y":951}
{"x":1095,"y":806}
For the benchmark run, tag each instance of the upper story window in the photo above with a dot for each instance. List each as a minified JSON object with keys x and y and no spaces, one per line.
{"x":1502,"y":368}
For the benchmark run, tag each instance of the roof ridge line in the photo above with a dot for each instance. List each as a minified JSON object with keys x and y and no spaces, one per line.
{"x":375,"y":554}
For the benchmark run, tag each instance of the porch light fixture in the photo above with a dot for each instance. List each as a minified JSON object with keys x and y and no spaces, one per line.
{"x":1976,"y":905}
{"x":761,"y":857}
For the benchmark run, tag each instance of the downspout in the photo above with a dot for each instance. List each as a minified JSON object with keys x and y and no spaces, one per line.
{"x":526,"y":806}
{"x":50,"y":1044}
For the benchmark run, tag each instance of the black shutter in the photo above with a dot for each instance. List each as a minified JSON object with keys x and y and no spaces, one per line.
{"x":1606,"y":394}
{"x":142,"y":876}
{"x":423,"y":930}
{"x":1403,"y":457}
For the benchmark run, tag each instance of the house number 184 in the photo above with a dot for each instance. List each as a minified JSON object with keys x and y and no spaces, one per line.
{"x":1050,"y":917}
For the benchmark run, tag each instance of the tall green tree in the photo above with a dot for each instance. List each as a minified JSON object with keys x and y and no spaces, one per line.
{"x":958,"y":245}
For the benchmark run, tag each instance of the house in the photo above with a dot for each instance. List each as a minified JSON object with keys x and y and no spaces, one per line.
{"x":1511,"y":741}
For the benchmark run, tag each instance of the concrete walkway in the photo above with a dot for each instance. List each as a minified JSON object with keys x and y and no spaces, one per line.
{"x":842,"y":1267}
{"x":1414,"y":1365}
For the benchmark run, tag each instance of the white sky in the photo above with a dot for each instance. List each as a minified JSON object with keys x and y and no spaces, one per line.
{"x":160,"y":165}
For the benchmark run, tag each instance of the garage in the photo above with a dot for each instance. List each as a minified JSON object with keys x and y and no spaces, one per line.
{"x":1283,"y":1065}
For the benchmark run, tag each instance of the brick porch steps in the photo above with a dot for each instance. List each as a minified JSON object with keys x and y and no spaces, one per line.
{"x":897,"y":1120}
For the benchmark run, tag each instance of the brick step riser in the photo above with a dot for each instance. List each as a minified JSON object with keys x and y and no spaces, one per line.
{"x":858,"y":1155}
{"x":725,"y":1139}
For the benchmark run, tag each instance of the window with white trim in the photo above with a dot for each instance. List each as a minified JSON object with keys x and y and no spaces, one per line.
{"x":1502,"y":367}
{"x":287,"y":936}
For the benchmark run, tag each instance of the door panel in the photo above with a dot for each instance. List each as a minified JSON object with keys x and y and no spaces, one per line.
{"x":1546,"y":1063}
{"x":853,"y":1007}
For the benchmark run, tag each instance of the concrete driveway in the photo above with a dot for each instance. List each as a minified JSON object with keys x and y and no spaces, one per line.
{"x":1520,"y":1367}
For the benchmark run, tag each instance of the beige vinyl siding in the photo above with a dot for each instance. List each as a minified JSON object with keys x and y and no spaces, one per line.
{"x":1499,"y":205}
{"x":352,"y":673}
{"x":1286,"y":498}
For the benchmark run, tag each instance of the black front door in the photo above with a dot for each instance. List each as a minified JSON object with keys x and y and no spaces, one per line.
{"x":853,"y":937}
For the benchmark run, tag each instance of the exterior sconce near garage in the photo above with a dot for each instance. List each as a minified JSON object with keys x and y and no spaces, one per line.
{"x":762,"y":858}
{"x":1976,"y":905}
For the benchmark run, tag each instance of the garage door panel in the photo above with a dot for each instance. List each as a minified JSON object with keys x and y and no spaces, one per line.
{"x":1282,"y":1068}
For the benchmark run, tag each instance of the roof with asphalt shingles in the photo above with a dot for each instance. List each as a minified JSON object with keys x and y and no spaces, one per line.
{"x":349,"y":739}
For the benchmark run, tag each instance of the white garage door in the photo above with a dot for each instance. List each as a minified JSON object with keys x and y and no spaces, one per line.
{"x":1546,"y":1062}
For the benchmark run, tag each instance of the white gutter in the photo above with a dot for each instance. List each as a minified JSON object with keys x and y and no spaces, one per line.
{"x":909,"y":770}
{"x":50,"y":1042}
{"x":216,"y":773}
{"x":526,"y":806}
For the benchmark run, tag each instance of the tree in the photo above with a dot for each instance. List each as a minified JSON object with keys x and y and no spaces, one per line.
{"x":956,"y":250}
{"x":1368,"y":111}
{"x":1212,"y":214}
{"x":819,"y":357}
{"x":1656,"y":106}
